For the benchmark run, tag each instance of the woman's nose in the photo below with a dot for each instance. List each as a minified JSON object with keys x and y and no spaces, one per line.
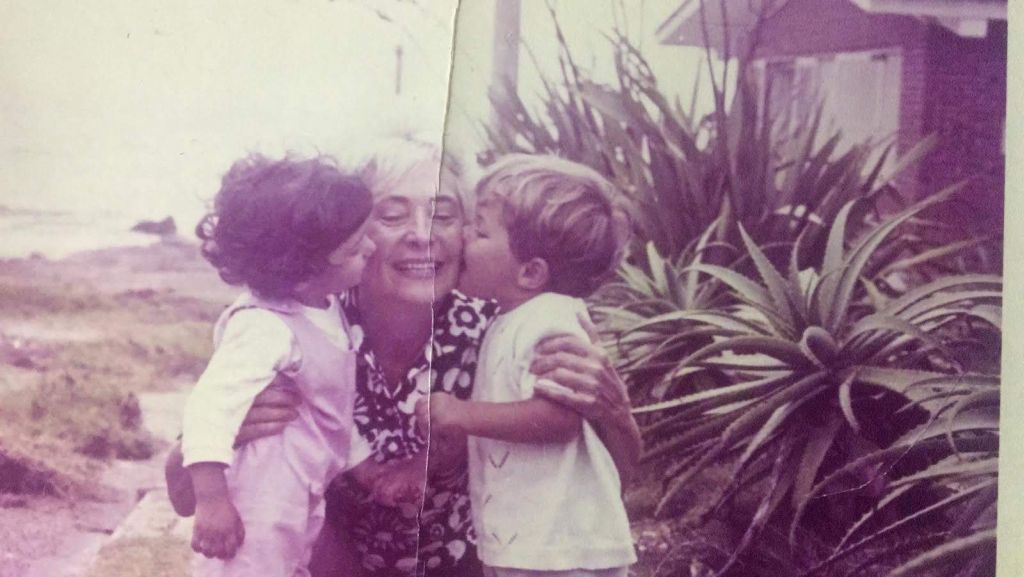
{"x":419,"y":229}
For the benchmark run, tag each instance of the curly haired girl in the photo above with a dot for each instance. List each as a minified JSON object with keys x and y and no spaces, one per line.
{"x":290,"y":231}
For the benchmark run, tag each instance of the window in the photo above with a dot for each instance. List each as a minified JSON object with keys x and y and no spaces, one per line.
{"x":859,"y":93}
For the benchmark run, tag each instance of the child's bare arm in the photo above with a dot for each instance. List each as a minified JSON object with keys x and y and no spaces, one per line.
{"x":533,"y":420}
{"x":218,"y":530}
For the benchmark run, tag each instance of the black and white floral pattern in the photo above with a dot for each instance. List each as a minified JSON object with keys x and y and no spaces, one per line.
{"x":397,"y":542}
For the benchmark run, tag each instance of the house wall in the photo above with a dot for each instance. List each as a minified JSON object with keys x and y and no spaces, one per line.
{"x":966,"y":108}
{"x":954,"y":87}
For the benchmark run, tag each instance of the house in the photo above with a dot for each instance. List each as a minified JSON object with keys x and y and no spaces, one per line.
{"x":881,"y":69}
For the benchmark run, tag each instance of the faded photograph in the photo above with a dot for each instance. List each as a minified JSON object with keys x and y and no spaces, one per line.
{"x":807,"y":315}
{"x":503,"y":288}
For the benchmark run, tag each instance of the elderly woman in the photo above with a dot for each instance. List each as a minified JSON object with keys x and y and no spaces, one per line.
{"x":416,"y":334}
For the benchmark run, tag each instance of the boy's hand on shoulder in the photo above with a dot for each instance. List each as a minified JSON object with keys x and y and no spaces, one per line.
{"x":218,"y":530}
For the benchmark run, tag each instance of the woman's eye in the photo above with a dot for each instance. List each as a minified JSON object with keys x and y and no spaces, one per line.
{"x":392,"y":217}
{"x":445,"y":217}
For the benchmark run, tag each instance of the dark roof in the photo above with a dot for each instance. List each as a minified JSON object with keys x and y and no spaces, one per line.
{"x":718,"y":18}
{"x":687,"y":26}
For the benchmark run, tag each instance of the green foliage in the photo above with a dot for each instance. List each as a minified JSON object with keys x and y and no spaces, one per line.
{"x":773,"y":320}
{"x":97,"y":420}
{"x":957,"y":487}
{"x":809,"y":360}
{"x":653,"y":312}
{"x":686,"y":174}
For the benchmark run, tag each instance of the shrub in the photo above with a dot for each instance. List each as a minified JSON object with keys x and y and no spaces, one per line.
{"x":774,"y":320}
{"x":97,"y":420}
{"x":819,"y":375}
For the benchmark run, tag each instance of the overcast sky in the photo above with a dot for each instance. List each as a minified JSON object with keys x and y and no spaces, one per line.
{"x":139,"y":106}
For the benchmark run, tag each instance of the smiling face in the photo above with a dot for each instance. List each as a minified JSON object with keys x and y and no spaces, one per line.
{"x":418,"y":233}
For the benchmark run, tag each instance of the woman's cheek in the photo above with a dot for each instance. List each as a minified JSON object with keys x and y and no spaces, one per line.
{"x":452,"y":239}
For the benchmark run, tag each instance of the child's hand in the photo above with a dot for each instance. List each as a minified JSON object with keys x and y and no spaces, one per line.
{"x":402,"y":483}
{"x":218,"y":530}
{"x":447,"y":442}
{"x":446,"y":454}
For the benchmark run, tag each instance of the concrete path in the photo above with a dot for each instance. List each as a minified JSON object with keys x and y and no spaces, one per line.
{"x":145,"y":512}
{"x":153,"y":515}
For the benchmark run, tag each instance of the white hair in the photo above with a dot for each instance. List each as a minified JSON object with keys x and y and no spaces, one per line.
{"x":392,"y":158}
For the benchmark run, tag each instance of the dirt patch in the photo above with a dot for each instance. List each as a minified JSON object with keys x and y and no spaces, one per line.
{"x":42,"y":536}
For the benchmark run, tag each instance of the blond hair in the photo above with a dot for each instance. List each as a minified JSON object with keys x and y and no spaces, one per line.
{"x":562,"y":212}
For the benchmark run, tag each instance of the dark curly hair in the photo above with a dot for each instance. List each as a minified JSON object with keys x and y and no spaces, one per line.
{"x":275,"y":222}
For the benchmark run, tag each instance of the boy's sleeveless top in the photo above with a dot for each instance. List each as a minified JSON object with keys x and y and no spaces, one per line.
{"x":317,"y":443}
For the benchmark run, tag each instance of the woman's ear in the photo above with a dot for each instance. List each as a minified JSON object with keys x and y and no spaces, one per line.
{"x":533,"y":275}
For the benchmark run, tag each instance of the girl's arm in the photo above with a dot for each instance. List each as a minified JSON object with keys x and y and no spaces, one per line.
{"x":533,"y":420}
{"x":272,"y":410}
{"x":254,"y":349}
{"x":218,"y":530}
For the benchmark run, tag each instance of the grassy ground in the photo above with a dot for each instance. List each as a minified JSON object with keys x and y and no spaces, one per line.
{"x":78,"y":343}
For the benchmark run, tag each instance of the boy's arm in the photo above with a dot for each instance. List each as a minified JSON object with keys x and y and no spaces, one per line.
{"x":533,"y":420}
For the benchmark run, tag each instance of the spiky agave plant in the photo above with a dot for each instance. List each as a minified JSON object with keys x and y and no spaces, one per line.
{"x":810,"y":357}
{"x":683,"y":170}
{"x":642,"y":313}
{"x":955,"y":490}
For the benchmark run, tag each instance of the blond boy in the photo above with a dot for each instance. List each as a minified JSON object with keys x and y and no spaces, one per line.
{"x":545,"y":492}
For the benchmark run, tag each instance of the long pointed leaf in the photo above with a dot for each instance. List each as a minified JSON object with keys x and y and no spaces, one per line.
{"x":772,"y":279}
{"x":953,"y":552}
{"x":858,"y":257}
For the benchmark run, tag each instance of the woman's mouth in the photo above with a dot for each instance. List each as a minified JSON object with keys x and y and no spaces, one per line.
{"x":418,"y":268}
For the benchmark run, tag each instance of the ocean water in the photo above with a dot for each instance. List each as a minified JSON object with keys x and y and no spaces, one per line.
{"x":57,"y":234}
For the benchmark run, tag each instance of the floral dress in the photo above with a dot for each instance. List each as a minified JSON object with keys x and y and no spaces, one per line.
{"x":437,"y":539}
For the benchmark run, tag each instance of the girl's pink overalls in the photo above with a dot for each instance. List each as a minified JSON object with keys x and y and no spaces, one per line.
{"x":277,"y":483}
